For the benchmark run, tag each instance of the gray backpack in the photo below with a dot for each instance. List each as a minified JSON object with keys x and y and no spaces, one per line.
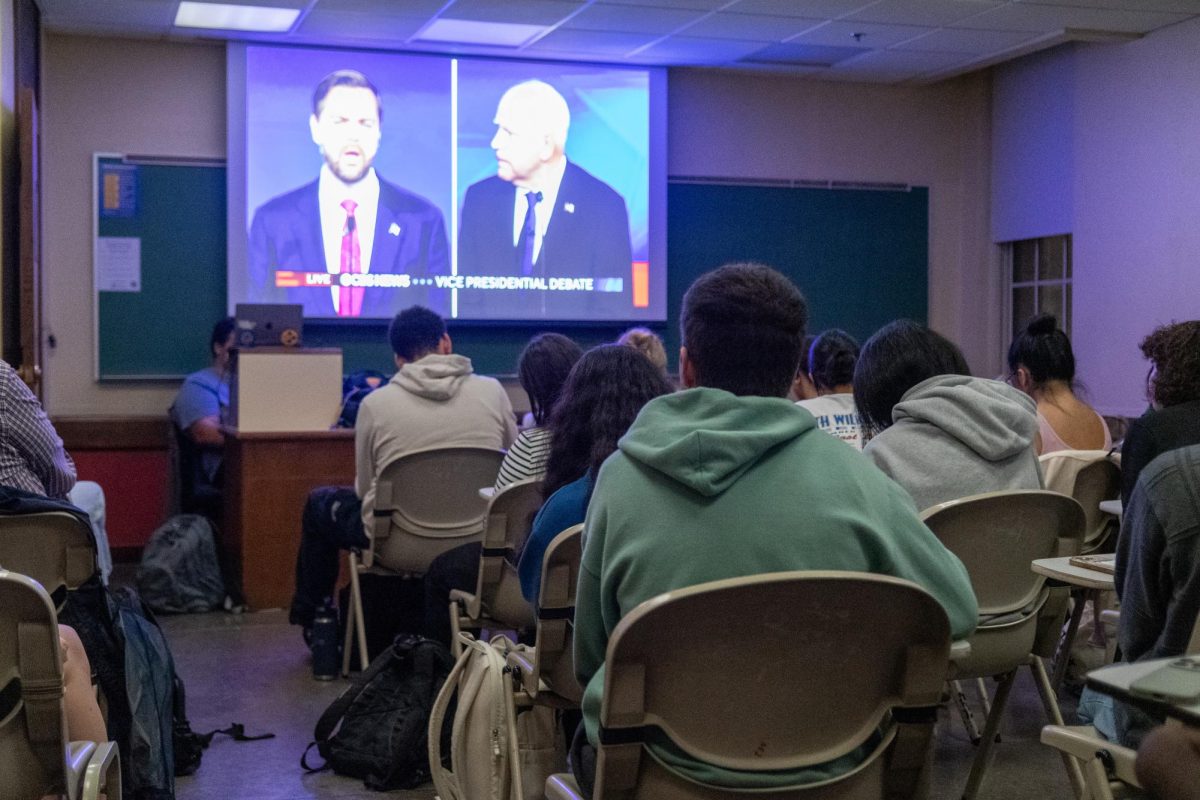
{"x":179,"y":573}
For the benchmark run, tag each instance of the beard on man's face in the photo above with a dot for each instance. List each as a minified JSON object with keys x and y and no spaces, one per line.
{"x":350,"y":164}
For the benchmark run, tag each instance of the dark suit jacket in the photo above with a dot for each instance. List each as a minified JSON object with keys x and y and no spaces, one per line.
{"x":286,"y":234}
{"x":588,"y":237}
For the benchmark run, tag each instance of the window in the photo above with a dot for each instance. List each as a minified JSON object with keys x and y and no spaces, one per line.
{"x":1039,"y":281}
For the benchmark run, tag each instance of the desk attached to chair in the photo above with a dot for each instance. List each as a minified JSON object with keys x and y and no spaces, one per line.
{"x":267,"y":478}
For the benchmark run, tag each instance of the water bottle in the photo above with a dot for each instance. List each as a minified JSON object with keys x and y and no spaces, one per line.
{"x":325,"y":644}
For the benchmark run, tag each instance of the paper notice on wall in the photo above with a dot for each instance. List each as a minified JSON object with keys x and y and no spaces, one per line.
{"x":118,"y":264}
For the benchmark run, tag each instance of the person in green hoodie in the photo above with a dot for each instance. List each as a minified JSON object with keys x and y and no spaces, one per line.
{"x":728,"y":478}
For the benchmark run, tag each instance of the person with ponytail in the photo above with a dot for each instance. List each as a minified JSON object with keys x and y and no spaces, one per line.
{"x":829,"y":363}
{"x":1041,"y":364}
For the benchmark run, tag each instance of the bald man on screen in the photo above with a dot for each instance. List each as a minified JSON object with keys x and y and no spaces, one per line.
{"x":542,"y":216}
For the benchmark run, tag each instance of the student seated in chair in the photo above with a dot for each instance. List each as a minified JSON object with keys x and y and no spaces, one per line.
{"x":197,"y":413}
{"x":729,"y":478}
{"x":434,"y":400}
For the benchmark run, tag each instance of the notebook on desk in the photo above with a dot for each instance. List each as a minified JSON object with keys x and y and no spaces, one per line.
{"x":1101,"y":563}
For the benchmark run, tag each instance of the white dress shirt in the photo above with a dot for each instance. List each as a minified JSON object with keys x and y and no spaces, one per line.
{"x":543,"y":210}
{"x":331,"y":191}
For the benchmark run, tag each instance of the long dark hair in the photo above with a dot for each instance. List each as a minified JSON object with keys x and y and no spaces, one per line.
{"x":543,"y":368}
{"x":600,"y":400}
{"x":898,"y":357}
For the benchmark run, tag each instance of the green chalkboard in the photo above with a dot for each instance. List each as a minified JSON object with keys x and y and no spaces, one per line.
{"x":157,"y":325}
{"x":859,"y":255}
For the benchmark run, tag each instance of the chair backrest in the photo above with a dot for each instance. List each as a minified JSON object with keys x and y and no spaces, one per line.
{"x":998,"y":534}
{"x":54,"y":548}
{"x":509,"y":519}
{"x":1089,"y":476}
{"x":771,"y":672}
{"x":553,"y":660}
{"x":32,"y":724}
{"x":428,"y":502}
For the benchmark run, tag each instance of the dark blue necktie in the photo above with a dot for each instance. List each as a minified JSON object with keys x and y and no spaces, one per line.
{"x":528,"y":236}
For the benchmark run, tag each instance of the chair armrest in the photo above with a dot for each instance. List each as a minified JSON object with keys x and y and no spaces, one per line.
{"x":520,"y":662}
{"x":469,"y":602}
{"x":562,"y":787}
{"x":1084,"y":743}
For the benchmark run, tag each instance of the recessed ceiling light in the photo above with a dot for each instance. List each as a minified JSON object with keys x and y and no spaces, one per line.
{"x":467,"y":31}
{"x":229,"y":17}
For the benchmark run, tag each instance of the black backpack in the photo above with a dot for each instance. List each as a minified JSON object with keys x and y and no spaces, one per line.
{"x":355,"y":388}
{"x":179,"y":573}
{"x":376,"y":729}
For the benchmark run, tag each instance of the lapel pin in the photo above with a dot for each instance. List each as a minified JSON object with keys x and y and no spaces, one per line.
{"x":394,"y":230}
{"x":569,"y":208}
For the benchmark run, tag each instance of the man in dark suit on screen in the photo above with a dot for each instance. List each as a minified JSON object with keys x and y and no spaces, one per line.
{"x":348,"y":227}
{"x":541,"y":216}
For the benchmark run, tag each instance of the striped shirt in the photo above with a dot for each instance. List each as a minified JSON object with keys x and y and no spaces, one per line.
{"x":526,"y":458}
{"x":31,"y":454}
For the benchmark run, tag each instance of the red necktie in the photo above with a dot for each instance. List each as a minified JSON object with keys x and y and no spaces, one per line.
{"x":350,"y":297}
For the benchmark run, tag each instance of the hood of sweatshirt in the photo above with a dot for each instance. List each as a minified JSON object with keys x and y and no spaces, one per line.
{"x":434,"y":377}
{"x":706,"y":438}
{"x":991,"y":418}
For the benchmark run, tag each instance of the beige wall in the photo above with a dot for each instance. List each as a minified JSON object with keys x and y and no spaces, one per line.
{"x":8,"y":106}
{"x":117,"y":96}
{"x":935,"y":136}
{"x":1117,"y":160}
{"x":169,"y":99}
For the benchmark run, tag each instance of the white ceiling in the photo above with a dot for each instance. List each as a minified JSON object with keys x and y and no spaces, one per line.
{"x":883,"y":41}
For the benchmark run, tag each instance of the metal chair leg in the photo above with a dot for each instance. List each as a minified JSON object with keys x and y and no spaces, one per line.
{"x":1050,"y":703}
{"x":983,"y":756}
{"x":1063,"y":657}
{"x":360,"y":626}
{"x":964,"y":710}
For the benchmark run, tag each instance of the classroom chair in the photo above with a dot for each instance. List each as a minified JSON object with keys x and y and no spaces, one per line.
{"x":426,"y":503}
{"x":997,"y":536}
{"x":547,"y":675}
{"x":497,"y":602}
{"x":1091,"y":477}
{"x":54,"y":548}
{"x":35,"y":757}
{"x":804,"y":667}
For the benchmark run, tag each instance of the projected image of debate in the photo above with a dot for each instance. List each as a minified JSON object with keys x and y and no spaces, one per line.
{"x":486,"y":190}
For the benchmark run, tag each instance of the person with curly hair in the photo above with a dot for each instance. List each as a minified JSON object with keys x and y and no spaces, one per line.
{"x":602,"y":397}
{"x":1173,"y":389}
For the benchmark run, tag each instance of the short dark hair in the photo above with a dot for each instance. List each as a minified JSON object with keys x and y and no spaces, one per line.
{"x":743,"y":327}
{"x":543,"y":368}
{"x":600,"y":400}
{"x":1044,"y":349}
{"x":415,"y":332}
{"x":898,"y":357}
{"x":831,"y":359}
{"x":343,"y":77}
{"x":220,"y":334}
{"x":1175,"y":352}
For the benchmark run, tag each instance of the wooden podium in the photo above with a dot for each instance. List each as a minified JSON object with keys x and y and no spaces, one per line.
{"x":280,"y":445}
{"x":267,"y":478}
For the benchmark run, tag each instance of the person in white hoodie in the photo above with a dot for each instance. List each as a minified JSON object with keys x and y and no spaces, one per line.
{"x":433,"y":400}
{"x":934,"y":429}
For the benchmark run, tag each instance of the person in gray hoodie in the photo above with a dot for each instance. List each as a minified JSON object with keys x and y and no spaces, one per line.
{"x":934,"y":429}
{"x":433,"y":400}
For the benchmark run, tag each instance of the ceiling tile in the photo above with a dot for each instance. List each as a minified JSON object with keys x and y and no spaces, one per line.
{"x":893,"y":65}
{"x":815,"y":55}
{"x":700,"y":5}
{"x":1176,"y":6}
{"x":923,"y":12}
{"x":756,"y":27}
{"x":359,"y":25}
{"x":527,"y":12}
{"x":409,"y":8}
{"x":874,"y":34}
{"x":632,"y":19}
{"x":1029,"y":17}
{"x":816,"y":9}
{"x":139,"y":15}
{"x":966,"y":40}
{"x":590,"y":43}
{"x":685,"y":50}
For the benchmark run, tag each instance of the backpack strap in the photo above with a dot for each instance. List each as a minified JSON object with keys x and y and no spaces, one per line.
{"x":444,"y":780}
{"x":337,"y":709}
